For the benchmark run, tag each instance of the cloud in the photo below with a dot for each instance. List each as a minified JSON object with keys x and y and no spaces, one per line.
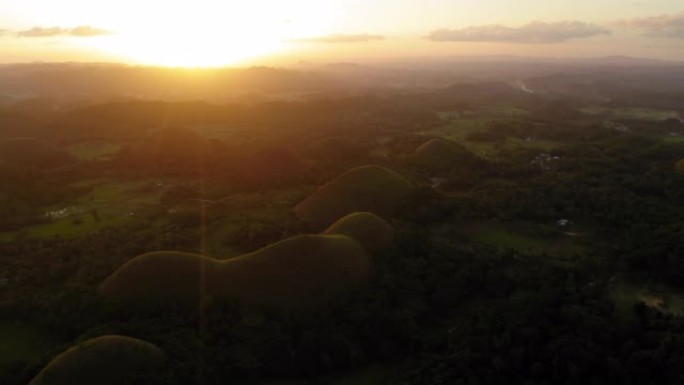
{"x":80,"y":31}
{"x":88,"y":31}
{"x":42,"y":32}
{"x":659,"y":26}
{"x":535,"y":32}
{"x":341,"y":38}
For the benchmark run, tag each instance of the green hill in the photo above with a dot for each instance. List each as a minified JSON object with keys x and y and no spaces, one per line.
{"x":32,"y":152}
{"x":107,"y":360}
{"x":298,"y":271}
{"x":164,"y":276}
{"x":373,"y":232}
{"x":367,"y":188}
{"x":440,"y":153}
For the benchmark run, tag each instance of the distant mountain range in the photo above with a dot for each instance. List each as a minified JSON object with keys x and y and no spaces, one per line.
{"x":303,"y":80}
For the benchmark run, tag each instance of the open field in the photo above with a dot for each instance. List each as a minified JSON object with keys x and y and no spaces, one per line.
{"x":521,"y":237}
{"x":631,"y":113}
{"x":673,"y":139}
{"x":459,"y":127}
{"x":94,"y":149}
{"x":72,"y":228}
{"x":109,"y":203}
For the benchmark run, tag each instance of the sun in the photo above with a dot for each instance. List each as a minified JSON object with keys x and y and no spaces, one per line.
{"x":188,"y":50}
{"x":207,"y":33}
{"x":194,"y":43}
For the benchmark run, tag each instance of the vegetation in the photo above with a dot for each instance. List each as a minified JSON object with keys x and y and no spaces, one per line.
{"x":502,"y":236}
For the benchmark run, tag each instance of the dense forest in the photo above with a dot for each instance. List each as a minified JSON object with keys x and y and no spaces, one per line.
{"x":469,"y":234}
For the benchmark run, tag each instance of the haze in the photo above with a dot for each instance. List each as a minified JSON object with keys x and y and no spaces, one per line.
{"x":216,"y":33}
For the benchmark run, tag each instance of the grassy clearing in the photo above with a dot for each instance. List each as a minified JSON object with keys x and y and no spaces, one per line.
{"x":109,"y":203}
{"x":462,"y":126}
{"x":631,"y":113}
{"x":459,"y":132}
{"x":507,"y":240}
{"x":94,"y":149}
{"x":120,"y":197}
{"x":116,"y":191}
{"x":673,"y":139}
{"x":505,"y":112}
{"x":459,"y":129}
{"x":486,"y":113}
{"x":74,"y":228}
{"x":521,"y":237}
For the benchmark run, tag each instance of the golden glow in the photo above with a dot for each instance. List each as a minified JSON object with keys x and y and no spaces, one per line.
{"x":208,"y":33}
{"x":186,"y":50}
{"x":220,"y":32}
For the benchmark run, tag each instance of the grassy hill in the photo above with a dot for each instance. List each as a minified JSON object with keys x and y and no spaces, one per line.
{"x":106,"y":360}
{"x":440,"y":153}
{"x":139,"y":278}
{"x":297,"y":271}
{"x":367,"y":188}
{"x":368,"y":229}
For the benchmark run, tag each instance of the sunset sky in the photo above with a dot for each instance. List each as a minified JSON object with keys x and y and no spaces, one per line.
{"x":213,"y":33}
